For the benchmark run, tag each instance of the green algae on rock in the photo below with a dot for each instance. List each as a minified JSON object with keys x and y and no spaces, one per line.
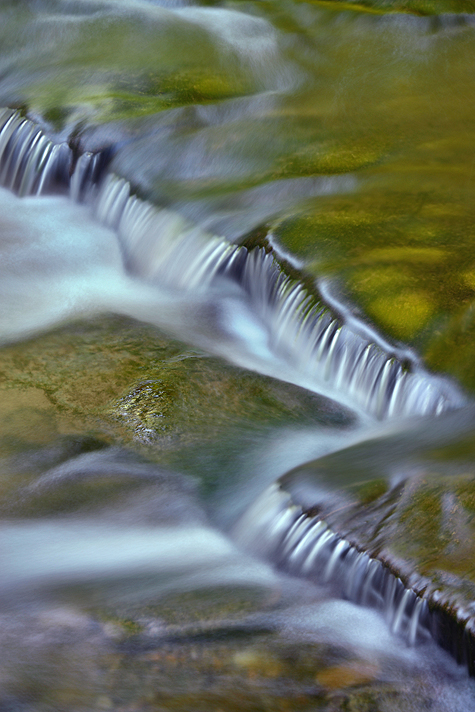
{"x":421,"y":528}
{"x":451,"y":347}
{"x":427,"y":522}
{"x":94,"y":64}
{"x":124,"y":383}
{"x":417,"y":7}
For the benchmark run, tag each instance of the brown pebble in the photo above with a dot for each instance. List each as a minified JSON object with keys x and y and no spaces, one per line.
{"x":347,"y":675}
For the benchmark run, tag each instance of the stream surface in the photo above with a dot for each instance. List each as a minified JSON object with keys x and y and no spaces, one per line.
{"x":155,"y":381}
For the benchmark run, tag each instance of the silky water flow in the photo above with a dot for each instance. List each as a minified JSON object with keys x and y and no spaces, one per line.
{"x":92,"y":245}
{"x":300,"y":340}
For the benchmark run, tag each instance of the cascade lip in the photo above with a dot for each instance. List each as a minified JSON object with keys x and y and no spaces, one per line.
{"x":339,"y":354}
{"x":301,"y":328}
{"x":449,"y":615}
{"x":301,"y":541}
{"x":372,"y":457}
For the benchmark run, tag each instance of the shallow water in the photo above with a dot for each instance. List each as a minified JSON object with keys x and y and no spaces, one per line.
{"x":147,"y":401}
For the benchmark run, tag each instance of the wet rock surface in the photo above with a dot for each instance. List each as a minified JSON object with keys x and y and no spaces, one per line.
{"x":428,"y":523}
{"x":122,"y":382}
{"x":420,"y":528}
{"x":76,"y":661}
{"x":423,"y":526}
{"x":344,"y":127}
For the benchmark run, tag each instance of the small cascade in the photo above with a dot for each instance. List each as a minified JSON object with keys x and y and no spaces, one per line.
{"x":161,"y":246}
{"x":31,"y":164}
{"x":305,"y":332}
{"x":87,"y":174}
{"x":303,"y":544}
{"x":333,"y":357}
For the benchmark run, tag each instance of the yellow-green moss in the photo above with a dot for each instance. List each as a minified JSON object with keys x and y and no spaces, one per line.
{"x":126,"y":383}
{"x":371,"y":491}
{"x":417,"y":7}
{"x":427,"y":521}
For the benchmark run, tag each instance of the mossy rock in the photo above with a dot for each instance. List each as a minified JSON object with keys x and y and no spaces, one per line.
{"x":411,"y":287}
{"x":417,"y":7}
{"x":123,"y":383}
{"x":406,"y":498}
{"x":424,"y":528}
{"x":450,"y":348}
{"x":98,"y":62}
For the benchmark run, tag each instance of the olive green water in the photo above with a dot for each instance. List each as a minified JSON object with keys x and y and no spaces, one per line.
{"x":292,"y":92}
{"x":387,"y":98}
{"x":344,"y":133}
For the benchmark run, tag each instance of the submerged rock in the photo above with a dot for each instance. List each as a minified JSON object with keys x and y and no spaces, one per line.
{"x":123,"y":383}
{"x":233,"y":115}
{"x":451,"y":347}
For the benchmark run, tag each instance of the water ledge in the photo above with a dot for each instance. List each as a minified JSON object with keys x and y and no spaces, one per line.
{"x":322,"y":351}
{"x":302,"y":543}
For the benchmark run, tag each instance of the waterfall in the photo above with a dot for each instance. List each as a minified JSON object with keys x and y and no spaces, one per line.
{"x":162,"y":247}
{"x":30,"y":164}
{"x":302,"y":543}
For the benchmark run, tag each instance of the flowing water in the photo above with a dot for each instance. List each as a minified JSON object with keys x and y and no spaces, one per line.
{"x":236,"y":424}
